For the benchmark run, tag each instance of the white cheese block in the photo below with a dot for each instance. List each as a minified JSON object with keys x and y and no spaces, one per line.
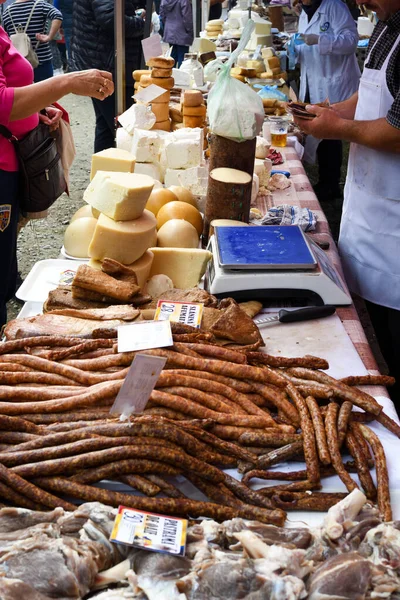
{"x":146,"y":146}
{"x":124,"y":241}
{"x":120,"y":196}
{"x":190,"y":133}
{"x":154,"y":170}
{"x":124,"y":139}
{"x":141,"y":266}
{"x":185,"y":266}
{"x":263,"y":27}
{"x":112,"y":159}
{"x":172,"y":177}
{"x":262,"y":147}
{"x":262,"y":168}
{"x":183,"y":154}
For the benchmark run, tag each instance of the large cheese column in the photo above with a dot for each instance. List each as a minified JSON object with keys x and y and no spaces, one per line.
{"x":124,"y":241}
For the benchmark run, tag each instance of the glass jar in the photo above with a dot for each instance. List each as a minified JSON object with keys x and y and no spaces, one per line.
{"x":193,"y":66}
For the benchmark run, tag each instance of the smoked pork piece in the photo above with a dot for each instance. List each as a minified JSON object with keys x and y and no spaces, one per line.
{"x":50,"y":324}
{"x":62,"y":297}
{"x":123,"y":311}
{"x":233,"y":324}
{"x":94,"y":280}
{"x":190,"y":295}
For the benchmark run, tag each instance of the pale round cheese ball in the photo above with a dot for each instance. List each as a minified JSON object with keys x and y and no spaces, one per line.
{"x":83,"y":211}
{"x":177,"y":233}
{"x":158,"y":198}
{"x":183,"y":194}
{"x":180,"y":210}
{"x":157,"y":285}
{"x":78,"y":236}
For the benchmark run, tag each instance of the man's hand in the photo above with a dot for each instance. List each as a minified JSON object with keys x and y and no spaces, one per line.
{"x":327,"y":125}
{"x":311,"y":39}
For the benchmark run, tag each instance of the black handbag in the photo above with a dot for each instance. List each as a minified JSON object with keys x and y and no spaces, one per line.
{"x":41,"y":169}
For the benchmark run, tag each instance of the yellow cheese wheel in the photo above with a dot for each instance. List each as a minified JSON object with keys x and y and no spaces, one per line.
{"x":158,"y":198}
{"x":183,"y":195}
{"x":192,"y":98}
{"x":124,"y":241}
{"x":177,"y":233}
{"x":162,"y":98}
{"x":138,"y":73}
{"x":161,"y":72}
{"x":193,"y":122}
{"x":180,"y":210}
{"x":161,"y":62}
{"x":194,"y":111}
{"x":78,"y":236}
{"x":162,"y":125}
{"x":83,"y":211}
{"x":160,"y":110}
{"x":165,"y":82}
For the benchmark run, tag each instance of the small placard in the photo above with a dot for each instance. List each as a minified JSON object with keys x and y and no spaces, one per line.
{"x":181,"y":78}
{"x":143,"y":336}
{"x":138,"y":385}
{"x":149,"y":94}
{"x":149,"y":531}
{"x":152,"y":47}
{"x":187,"y":313}
{"x":66,"y":277}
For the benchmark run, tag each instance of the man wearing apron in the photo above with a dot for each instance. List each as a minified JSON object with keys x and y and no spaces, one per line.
{"x":369,"y":241}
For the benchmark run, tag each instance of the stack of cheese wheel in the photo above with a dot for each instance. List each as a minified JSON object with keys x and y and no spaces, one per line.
{"x":214,"y":28}
{"x":194,"y":110}
{"x":136,"y":77}
{"x":161,"y":75}
{"x":124,"y":230}
{"x":273,"y":67}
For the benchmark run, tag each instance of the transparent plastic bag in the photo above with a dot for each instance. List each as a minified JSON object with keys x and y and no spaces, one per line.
{"x":235,"y":111}
{"x":271,"y":92}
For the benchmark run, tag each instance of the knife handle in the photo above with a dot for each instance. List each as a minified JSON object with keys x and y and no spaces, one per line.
{"x":306,"y":314}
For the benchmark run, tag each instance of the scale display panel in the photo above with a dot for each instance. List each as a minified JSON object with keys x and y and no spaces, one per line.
{"x":265,"y":247}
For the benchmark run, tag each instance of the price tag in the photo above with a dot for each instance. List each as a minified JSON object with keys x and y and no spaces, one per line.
{"x":187,"y":313}
{"x":152,"y":47}
{"x":144,"y":335}
{"x":149,"y":94}
{"x":149,"y":531}
{"x":138,"y":385}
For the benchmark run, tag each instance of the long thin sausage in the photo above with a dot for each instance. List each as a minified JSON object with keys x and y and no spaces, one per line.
{"x":218,"y":352}
{"x":343,"y":421}
{"x":85,"y":346}
{"x":123,"y":467}
{"x":39,"y":340}
{"x":278,"y":400}
{"x":141,"y":484}
{"x":311,"y":362}
{"x":231,"y":382}
{"x":16,"y":378}
{"x":208,"y":400}
{"x":319,"y":429}
{"x":361,"y":465}
{"x":16,"y":499}
{"x":316,"y":501}
{"x":309,"y":443}
{"x":333,"y":445}
{"x":272,"y":438}
{"x":168,"y":488}
{"x":382,"y":474}
{"x":385,"y":380}
{"x":18,"y":424}
{"x":221,"y":445}
{"x":171,"y":506}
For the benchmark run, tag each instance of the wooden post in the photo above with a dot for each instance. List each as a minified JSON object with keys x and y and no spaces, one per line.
{"x":231,"y":154}
{"x":276,"y":16}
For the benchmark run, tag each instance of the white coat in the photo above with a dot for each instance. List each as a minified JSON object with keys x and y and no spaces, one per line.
{"x":330,"y":68}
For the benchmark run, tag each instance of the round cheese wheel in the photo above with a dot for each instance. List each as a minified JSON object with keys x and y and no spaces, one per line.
{"x":177,"y":233}
{"x":160,"y":110}
{"x":165,"y":82}
{"x":95,"y":212}
{"x":165,"y":97}
{"x":155,"y":72}
{"x":193,"y":122}
{"x":162,"y":125}
{"x":138,"y":73}
{"x":183,"y":195}
{"x":78,"y":236}
{"x":180,"y":210}
{"x":194,"y":111}
{"x":161,"y":62}
{"x":158,"y":198}
{"x":83,"y":211}
{"x":192,"y":98}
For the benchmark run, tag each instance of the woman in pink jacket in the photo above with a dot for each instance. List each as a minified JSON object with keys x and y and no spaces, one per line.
{"x":20,"y":103}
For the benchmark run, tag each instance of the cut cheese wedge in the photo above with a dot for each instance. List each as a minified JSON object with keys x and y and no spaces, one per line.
{"x":120,"y":196}
{"x":184,"y":266}
{"x":141,"y":266}
{"x":124,"y":241}
{"x":112,"y":159}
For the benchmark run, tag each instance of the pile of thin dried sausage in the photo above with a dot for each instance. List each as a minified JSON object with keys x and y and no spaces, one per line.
{"x":213,"y":408}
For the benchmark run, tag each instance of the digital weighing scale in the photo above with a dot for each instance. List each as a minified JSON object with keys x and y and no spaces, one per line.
{"x":271,"y":262}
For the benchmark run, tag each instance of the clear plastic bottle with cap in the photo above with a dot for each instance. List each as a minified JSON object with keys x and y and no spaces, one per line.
{"x":193,"y":66}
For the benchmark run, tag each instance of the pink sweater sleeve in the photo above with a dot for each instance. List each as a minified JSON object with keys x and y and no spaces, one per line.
{"x":6,"y":96}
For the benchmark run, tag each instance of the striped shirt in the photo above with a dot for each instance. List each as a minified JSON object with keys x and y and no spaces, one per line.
{"x":20,"y":12}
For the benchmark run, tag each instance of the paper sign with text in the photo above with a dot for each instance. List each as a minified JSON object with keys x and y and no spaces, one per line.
{"x":187,"y":313}
{"x":152,"y":47}
{"x":149,"y":531}
{"x":149,"y":94}
{"x":144,"y":336}
{"x":138,"y":385}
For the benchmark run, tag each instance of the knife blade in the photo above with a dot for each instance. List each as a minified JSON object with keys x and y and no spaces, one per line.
{"x":301,"y":314}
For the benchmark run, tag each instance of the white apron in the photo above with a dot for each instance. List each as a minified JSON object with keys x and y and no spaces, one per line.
{"x":369,"y":242}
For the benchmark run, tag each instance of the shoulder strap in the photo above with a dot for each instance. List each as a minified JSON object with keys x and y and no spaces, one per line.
{"x":6,"y":133}
{"x":30,"y":16}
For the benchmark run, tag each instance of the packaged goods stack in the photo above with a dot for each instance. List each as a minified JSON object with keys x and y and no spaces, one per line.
{"x":194,"y":110}
{"x":161,"y":75}
{"x":214,"y":28}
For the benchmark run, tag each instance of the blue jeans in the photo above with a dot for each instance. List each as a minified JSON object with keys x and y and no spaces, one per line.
{"x":9,"y":213}
{"x":178,"y":53}
{"x":43,"y":71}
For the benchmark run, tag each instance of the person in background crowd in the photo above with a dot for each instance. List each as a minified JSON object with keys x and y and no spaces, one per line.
{"x":329,"y":70}
{"x":177,"y":19}
{"x":18,"y":14}
{"x":65,"y":6}
{"x":93,"y":47}
{"x":20,"y":103}
{"x":215,"y":11}
{"x":369,"y":241}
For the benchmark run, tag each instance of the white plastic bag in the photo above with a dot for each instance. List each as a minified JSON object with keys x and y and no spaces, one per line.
{"x":235,"y":111}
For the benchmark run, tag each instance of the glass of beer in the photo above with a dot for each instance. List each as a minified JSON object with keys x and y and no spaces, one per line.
{"x":279,"y":129}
